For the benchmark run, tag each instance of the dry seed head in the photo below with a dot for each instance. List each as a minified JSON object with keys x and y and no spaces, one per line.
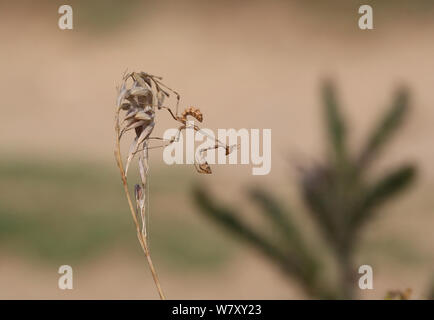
{"x":204,"y":168}
{"x":191,"y":111}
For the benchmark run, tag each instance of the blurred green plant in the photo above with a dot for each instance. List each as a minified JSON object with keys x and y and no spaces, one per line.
{"x":55,"y":211}
{"x":100,"y":16}
{"x":339,"y":196}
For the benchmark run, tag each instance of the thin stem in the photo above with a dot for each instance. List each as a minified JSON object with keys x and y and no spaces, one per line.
{"x":143,"y":241}
{"x":347,"y":276}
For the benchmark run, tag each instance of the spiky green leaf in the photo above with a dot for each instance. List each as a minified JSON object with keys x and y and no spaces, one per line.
{"x":281,"y":219}
{"x":385,"y":128}
{"x":381,"y":191}
{"x":335,"y":124}
{"x":232,"y":223}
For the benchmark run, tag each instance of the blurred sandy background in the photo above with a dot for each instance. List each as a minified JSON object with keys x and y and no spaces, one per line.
{"x":246,"y":64}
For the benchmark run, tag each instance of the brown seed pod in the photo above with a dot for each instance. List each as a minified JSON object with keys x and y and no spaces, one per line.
{"x":204,"y":168}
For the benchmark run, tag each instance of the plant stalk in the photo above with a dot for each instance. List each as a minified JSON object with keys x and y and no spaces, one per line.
{"x":142,"y":239}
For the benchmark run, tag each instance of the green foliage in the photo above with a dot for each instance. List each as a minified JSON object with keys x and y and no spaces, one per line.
{"x":385,"y":188}
{"x":292,"y":259}
{"x":335,"y":124}
{"x":339,"y":196}
{"x":390,"y":122}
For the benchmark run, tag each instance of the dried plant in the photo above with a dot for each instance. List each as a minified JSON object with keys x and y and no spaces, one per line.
{"x":398,"y":294}
{"x":140,"y":95}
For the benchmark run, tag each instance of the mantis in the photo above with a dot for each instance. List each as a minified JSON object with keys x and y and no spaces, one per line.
{"x":140,"y":96}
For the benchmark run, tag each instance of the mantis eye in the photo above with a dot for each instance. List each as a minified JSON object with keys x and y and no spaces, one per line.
{"x":125,"y":106}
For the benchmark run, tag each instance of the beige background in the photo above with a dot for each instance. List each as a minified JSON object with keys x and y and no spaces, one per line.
{"x":251,"y":64}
